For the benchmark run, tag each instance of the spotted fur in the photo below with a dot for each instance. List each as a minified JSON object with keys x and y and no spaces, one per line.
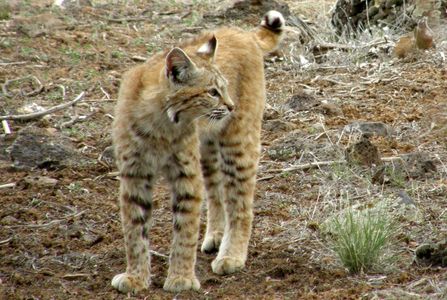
{"x":194,"y":115}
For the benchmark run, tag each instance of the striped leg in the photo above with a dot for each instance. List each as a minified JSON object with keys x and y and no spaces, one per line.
{"x":239,"y":167}
{"x":183,"y":173}
{"x":136,"y":211}
{"x":213,"y":182}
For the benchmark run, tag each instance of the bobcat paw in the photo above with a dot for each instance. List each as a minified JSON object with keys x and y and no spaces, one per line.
{"x":211,"y":243}
{"x":126,"y":283}
{"x":178,"y":283}
{"x":227,"y":265}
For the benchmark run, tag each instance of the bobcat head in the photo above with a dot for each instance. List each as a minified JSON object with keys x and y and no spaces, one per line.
{"x":197,"y":87}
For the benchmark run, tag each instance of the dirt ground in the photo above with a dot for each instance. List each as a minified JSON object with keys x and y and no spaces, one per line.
{"x":60,"y":232}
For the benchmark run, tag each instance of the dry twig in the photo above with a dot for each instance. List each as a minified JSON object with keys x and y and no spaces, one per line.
{"x":6,"y":241}
{"x":318,"y":164}
{"x":53,"y":222}
{"x":6,"y":128}
{"x":43,"y":113}
{"x":307,"y":166}
{"x":155,"y":253}
{"x":138,"y":58}
{"x":7,"y":185}
{"x":77,"y":119}
{"x":75,"y":276}
{"x":35,"y":91}
{"x":13,"y":63}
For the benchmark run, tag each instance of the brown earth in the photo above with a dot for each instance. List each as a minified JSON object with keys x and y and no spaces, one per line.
{"x":61,"y":239}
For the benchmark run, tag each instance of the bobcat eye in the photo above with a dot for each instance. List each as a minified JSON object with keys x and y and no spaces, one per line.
{"x":214,"y":93}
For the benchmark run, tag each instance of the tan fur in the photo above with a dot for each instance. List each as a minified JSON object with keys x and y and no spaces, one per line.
{"x":196,"y":108}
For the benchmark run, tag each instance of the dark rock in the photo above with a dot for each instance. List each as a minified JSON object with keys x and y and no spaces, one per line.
{"x":36,"y":148}
{"x":418,"y":164}
{"x":301,"y":101}
{"x":353,"y":16}
{"x":363,"y":153}
{"x":432,"y":254}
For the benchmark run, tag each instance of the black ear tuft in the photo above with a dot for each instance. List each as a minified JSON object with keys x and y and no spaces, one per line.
{"x":179,"y":67}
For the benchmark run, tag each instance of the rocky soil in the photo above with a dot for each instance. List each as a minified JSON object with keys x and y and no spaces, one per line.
{"x":347,"y":124}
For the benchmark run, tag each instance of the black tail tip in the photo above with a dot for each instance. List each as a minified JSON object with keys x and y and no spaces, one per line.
{"x":273,"y":20}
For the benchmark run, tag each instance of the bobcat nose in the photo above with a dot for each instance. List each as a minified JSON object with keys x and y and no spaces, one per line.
{"x":229,"y":104}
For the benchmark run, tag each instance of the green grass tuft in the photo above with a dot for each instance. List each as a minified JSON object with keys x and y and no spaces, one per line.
{"x":361,"y":237}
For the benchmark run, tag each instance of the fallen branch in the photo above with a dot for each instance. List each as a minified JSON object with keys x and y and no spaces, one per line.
{"x":43,"y":113}
{"x":331,"y":46}
{"x":75,"y":276}
{"x":307,"y":166}
{"x":7,"y":185}
{"x":318,"y":164}
{"x":13,"y":63}
{"x":265,"y":178}
{"x":6,"y":241}
{"x":53,"y":222}
{"x":77,"y":119}
{"x":32,"y":93}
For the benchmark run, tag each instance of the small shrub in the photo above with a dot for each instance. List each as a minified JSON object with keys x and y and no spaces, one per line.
{"x":361,"y":236}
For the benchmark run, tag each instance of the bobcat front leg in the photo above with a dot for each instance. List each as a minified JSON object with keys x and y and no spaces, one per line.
{"x":136,"y":211}
{"x":183,"y":173}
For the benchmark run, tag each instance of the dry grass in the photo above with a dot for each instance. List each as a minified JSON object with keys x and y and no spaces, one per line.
{"x":363,"y":79}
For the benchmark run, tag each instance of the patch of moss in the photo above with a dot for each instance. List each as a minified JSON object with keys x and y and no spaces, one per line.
{"x":5,"y":10}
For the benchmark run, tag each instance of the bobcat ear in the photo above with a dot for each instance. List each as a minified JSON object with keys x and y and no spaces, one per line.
{"x":208,"y":49}
{"x":179,"y":67}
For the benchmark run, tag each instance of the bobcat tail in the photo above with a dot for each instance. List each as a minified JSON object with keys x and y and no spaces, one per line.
{"x":269,"y":33}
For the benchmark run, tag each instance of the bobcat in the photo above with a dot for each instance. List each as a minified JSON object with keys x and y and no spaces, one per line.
{"x":196,"y":107}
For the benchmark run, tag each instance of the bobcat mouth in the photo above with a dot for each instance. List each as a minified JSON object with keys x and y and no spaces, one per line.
{"x":218,"y":114}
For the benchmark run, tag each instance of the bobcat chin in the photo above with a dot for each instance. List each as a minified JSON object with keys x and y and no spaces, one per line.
{"x":193,"y":114}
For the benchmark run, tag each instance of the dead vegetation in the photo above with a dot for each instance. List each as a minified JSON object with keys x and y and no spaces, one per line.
{"x":349,"y":125}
